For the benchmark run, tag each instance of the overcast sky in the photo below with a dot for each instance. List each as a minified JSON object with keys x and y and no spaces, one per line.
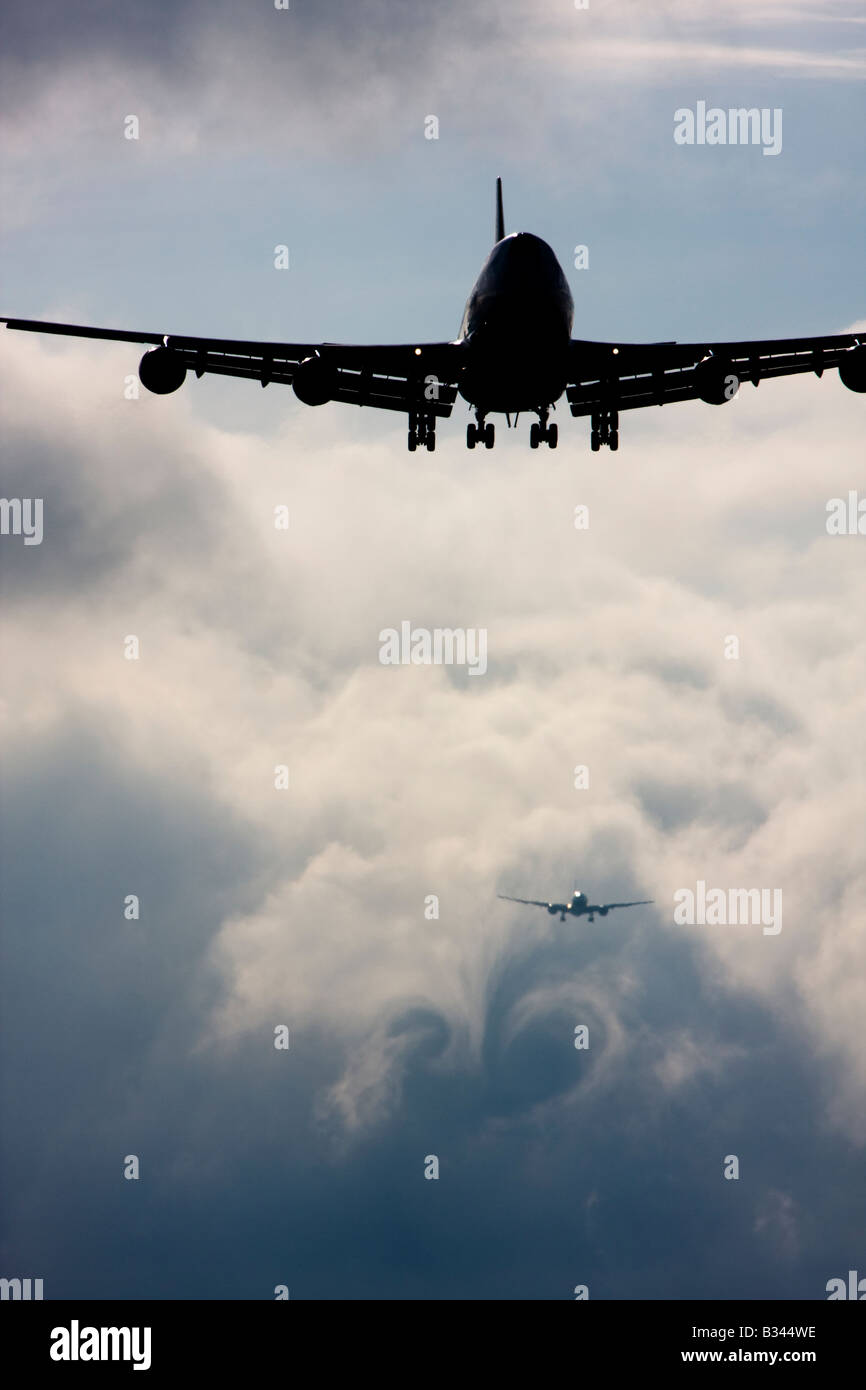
{"x":412,"y":1036}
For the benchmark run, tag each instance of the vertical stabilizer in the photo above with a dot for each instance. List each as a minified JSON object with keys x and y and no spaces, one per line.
{"x":500,"y":217}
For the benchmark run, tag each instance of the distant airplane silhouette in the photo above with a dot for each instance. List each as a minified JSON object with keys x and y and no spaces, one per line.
{"x":515,"y":354}
{"x":578,"y":905}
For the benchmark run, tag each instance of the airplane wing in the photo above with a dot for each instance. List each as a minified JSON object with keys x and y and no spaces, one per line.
{"x":388,"y":376}
{"x":627,"y":376}
{"x":528,"y":902}
{"x":606,"y":907}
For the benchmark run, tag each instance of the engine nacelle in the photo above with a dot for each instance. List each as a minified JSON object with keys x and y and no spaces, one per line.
{"x":315,"y":381}
{"x":852,"y":369}
{"x":717,"y":380}
{"x":552,"y":910}
{"x":162,"y":370}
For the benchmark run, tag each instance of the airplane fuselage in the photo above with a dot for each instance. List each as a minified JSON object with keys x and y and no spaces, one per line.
{"x":577,"y":905}
{"x":516,"y":328}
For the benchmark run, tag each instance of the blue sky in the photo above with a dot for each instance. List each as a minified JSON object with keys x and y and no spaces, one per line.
{"x":412,"y":1036}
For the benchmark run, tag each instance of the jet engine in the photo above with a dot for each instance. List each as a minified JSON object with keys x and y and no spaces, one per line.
{"x":717,"y":380}
{"x":315,"y":381}
{"x":162,"y":370}
{"x":852,"y":369}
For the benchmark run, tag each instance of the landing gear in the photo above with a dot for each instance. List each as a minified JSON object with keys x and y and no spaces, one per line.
{"x":590,"y":919}
{"x":543,"y":433}
{"x":422,"y":432}
{"x":480,"y":433}
{"x":605,"y":430}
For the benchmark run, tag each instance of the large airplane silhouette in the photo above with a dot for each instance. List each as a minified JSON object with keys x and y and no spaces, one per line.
{"x":514,"y":354}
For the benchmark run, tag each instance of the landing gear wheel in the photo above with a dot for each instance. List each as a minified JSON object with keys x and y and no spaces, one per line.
{"x":552,"y":436}
{"x":411,"y":441}
{"x":489,"y":436}
{"x":534,"y":436}
{"x":471,"y":436}
{"x":605,"y":429}
{"x":431,"y":440}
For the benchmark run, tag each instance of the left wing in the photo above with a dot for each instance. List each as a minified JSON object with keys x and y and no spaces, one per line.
{"x":607,"y":907}
{"x":528,"y":902}
{"x":627,"y":376}
{"x":402,"y":376}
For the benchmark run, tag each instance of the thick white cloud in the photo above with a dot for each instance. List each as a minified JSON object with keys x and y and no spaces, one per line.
{"x":606,"y":647}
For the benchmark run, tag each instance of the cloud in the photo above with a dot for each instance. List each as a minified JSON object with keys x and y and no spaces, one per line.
{"x":353,"y":84}
{"x":777,"y":1220}
{"x":670,"y":57}
{"x":261,"y":648}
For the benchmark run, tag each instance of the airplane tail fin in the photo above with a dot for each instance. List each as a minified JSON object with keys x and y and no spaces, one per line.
{"x":500,"y":216}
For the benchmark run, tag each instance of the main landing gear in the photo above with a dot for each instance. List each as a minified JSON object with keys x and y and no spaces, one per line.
{"x":480,"y":433}
{"x":543,"y":433}
{"x":605,"y":430}
{"x":422,"y":432}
